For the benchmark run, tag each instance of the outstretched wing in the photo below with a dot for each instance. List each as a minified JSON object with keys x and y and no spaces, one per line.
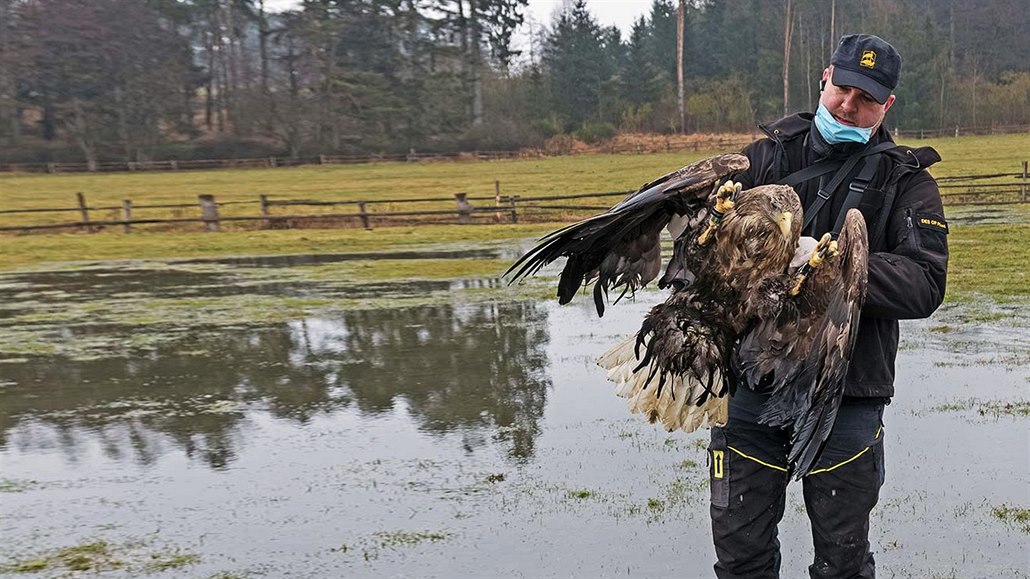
{"x":808,"y":381}
{"x":621,"y":247}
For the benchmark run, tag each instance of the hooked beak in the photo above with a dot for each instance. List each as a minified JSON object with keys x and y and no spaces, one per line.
{"x":784,"y":220}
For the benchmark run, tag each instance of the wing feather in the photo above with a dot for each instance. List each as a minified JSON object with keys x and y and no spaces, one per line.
{"x":810,"y":400}
{"x":620,"y":248}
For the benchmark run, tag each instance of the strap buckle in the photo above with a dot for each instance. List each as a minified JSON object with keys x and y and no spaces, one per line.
{"x":858,"y":185}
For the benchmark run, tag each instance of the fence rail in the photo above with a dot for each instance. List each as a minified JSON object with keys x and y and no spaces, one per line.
{"x":959,"y":190}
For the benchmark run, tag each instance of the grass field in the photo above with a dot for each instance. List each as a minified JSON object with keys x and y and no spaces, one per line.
{"x":986,"y":258}
{"x":526,"y":177}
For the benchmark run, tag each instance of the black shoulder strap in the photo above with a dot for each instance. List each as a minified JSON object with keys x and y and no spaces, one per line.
{"x":827,"y":192}
{"x":811,"y":172}
{"x":856,"y":190}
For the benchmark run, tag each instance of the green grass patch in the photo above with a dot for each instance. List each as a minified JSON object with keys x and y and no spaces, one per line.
{"x":16,"y":486}
{"x":990,"y":260}
{"x":580,"y":494}
{"x":96,"y":556}
{"x":174,"y":560}
{"x":991,"y":408}
{"x":1018,"y":517}
{"x":407,"y":538}
{"x":46,"y":250}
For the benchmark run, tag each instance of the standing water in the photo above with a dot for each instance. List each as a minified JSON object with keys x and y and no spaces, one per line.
{"x":239,"y":419}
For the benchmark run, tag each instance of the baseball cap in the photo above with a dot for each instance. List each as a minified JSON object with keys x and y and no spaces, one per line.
{"x":867,"y":62}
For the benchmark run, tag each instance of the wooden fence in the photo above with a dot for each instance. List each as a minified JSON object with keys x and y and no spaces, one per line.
{"x":994,"y":189}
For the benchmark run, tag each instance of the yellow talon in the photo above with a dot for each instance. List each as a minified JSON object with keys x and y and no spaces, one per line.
{"x":827,"y":247}
{"x":723,"y":204}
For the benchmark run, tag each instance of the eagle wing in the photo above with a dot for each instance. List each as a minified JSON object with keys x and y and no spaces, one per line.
{"x":803,"y":353}
{"x":621,"y":248}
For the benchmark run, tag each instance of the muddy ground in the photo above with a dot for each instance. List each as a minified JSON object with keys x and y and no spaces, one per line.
{"x":274,"y":418}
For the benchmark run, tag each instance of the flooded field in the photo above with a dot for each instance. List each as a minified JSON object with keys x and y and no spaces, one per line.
{"x":284,"y":418}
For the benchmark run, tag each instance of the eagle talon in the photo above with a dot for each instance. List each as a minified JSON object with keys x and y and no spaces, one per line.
{"x":826,"y":248}
{"x":724,"y":203}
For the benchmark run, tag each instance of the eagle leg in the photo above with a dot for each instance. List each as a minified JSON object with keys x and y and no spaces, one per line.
{"x":826,"y":248}
{"x":724,"y":202}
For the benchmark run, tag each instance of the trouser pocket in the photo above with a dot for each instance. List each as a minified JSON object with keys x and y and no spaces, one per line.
{"x":719,"y":468}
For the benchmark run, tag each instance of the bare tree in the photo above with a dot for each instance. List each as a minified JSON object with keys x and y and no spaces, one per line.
{"x":681,"y":14}
{"x":788,"y":31}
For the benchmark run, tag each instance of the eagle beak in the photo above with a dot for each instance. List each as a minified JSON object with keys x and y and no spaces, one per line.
{"x":784,"y":220}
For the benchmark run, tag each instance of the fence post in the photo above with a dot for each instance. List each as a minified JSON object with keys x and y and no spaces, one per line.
{"x":497,"y":201}
{"x":1023,"y":188}
{"x":175,"y":165}
{"x":365,"y":222}
{"x":127,"y":214}
{"x":321,"y":159}
{"x":84,"y":212}
{"x":271,"y":162}
{"x":514,"y":214}
{"x":956,"y":130}
{"x":264,"y":210}
{"x":209,"y":212}
{"x":464,"y":209}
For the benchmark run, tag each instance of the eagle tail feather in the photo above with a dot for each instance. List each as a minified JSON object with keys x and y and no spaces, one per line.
{"x":681,"y":402}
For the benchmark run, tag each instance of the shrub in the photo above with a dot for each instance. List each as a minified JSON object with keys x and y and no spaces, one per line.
{"x":595,"y":132}
{"x":559,"y":145}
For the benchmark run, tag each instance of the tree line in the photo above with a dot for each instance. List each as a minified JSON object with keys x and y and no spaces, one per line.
{"x":91,"y":80}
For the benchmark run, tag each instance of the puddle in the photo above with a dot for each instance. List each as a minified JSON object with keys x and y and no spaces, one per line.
{"x":987,"y":215}
{"x":470,"y":434}
{"x":323,"y":258}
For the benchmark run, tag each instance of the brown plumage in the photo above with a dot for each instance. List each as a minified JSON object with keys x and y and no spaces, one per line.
{"x":801,"y":346}
{"x":738,"y":311}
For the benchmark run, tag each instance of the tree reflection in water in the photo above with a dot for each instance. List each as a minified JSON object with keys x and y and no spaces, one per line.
{"x":477,"y":369}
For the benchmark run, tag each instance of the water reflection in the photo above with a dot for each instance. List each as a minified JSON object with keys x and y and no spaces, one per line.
{"x":476,"y":369}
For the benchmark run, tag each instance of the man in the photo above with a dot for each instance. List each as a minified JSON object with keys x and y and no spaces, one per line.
{"x":840,"y":157}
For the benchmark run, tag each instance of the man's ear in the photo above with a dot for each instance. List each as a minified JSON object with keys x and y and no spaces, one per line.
{"x":887,"y":105}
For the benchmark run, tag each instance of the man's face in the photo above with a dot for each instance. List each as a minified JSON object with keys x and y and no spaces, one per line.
{"x":852,"y":106}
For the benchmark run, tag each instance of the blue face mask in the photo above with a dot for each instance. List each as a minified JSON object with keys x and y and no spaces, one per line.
{"x":834,"y":132}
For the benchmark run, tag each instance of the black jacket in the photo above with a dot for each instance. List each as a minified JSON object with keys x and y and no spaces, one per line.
{"x":907,"y":264}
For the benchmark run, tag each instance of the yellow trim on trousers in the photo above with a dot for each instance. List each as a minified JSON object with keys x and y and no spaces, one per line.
{"x":773,"y":466}
{"x":840,"y":464}
{"x":827,"y":469}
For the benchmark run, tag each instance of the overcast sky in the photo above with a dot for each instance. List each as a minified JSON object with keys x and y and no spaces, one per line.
{"x":618,"y":12}
{"x":539,"y":13}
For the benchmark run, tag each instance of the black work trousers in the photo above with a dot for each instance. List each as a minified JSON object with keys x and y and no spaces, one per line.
{"x":749,"y":482}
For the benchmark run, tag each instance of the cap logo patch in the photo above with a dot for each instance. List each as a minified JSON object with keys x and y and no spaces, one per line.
{"x":868,"y":59}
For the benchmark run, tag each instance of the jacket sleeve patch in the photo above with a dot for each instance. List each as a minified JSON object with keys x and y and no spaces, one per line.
{"x":932,"y":222}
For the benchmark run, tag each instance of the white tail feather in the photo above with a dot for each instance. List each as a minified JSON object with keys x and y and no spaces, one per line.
{"x":677,"y":407}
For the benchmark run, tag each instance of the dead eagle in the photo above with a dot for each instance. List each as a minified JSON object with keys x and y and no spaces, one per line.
{"x":752,"y":301}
